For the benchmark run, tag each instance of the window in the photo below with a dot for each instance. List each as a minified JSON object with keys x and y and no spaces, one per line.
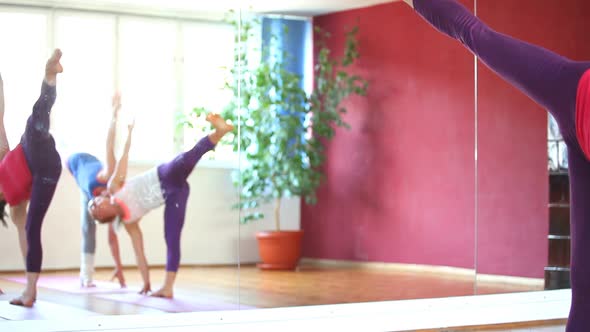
{"x":161,"y":66}
{"x":83,"y":108}
{"x":147,"y":50}
{"x":22,"y":63}
{"x":208,"y":53}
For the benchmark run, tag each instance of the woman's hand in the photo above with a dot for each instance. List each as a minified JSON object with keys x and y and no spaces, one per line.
{"x":146,"y":290}
{"x":118,"y":274}
{"x":116,"y":103}
{"x":131,"y":125}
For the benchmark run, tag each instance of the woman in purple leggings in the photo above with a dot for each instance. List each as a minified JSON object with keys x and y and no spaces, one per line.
{"x":29,"y":173}
{"x":561,"y":86}
{"x":163,"y":185}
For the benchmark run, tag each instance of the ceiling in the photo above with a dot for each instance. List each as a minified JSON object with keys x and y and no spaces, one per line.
{"x":203,"y":8}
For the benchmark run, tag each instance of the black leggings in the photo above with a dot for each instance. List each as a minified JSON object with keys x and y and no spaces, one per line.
{"x":45,"y":165}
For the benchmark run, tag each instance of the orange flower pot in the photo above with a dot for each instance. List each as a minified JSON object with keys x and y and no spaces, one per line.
{"x":279,"y":250}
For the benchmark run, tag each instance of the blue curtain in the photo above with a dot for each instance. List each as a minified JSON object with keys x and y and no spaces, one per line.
{"x":296,"y":42}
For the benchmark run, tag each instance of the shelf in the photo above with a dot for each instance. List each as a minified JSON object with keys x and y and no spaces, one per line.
{"x":557,"y":268}
{"x":557,"y":271}
{"x":558,"y":237}
{"x":559,"y":205}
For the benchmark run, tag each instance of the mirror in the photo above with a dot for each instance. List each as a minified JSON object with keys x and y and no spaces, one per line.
{"x":414,"y":172}
{"x":523,"y":231}
{"x":395,"y":212}
{"x":166,"y":60}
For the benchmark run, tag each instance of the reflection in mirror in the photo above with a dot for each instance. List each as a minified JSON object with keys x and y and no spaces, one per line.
{"x":129,"y":70}
{"x":512,"y":186}
{"x":392,"y":215}
{"x":527,"y":163}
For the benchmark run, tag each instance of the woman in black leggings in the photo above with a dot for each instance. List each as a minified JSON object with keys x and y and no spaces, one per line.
{"x":29,"y":173}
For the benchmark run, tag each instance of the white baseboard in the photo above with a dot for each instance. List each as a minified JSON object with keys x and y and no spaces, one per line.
{"x":454,"y":272}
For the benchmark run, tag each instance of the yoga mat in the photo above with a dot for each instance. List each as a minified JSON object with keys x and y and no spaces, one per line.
{"x":180,"y":303}
{"x":41,"y":310}
{"x":72,"y":285}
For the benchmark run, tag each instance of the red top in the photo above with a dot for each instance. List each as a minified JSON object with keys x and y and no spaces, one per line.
{"x":583,"y":114}
{"x":15,"y":177}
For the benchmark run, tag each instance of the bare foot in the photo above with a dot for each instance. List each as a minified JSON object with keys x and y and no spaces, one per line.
{"x":87,"y":284}
{"x":24,"y":300}
{"x":165,"y":293}
{"x":53,"y":66}
{"x":118,"y":274}
{"x":219,"y":123}
{"x":146,"y":289}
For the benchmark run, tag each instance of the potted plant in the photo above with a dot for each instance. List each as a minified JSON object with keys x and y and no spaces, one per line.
{"x":282,"y":130}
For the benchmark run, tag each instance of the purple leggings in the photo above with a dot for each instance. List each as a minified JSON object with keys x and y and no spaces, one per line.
{"x":45,"y":166}
{"x":551,"y":81}
{"x":175,"y":188}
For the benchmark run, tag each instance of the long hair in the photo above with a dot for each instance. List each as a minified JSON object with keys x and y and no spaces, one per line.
{"x":3,"y":214}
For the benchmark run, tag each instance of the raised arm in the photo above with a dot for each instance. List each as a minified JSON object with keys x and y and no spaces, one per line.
{"x":111,"y":136}
{"x":120,"y":173}
{"x":18,"y":214}
{"x":137,"y":241}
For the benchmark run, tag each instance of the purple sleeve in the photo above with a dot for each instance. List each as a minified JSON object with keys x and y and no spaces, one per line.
{"x":546,"y":77}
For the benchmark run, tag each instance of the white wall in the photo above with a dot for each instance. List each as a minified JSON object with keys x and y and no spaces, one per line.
{"x":212,"y":233}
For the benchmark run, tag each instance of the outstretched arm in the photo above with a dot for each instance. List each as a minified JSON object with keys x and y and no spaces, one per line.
{"x":120,"y":174}
{"x":549,"y":79}
{"x":18,"y":214}
{"x":137,"y":240}
{"x":114,"y":245}
{"x":111,"y":136}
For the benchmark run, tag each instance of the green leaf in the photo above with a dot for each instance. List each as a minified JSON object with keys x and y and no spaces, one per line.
{"x":282,"y":128}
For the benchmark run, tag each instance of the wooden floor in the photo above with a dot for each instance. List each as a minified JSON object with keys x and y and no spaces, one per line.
{"x":310,"y":285}
{"x":266,"y":289}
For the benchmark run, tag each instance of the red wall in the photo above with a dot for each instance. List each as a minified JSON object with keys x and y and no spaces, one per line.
{"x":512,"y":213}
{"x":400,"y":184}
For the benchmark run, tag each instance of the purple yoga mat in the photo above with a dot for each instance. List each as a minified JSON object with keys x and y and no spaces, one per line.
{"x":180,"y":303}
{"x":72,"y":285}
{"x":41,"y":310}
